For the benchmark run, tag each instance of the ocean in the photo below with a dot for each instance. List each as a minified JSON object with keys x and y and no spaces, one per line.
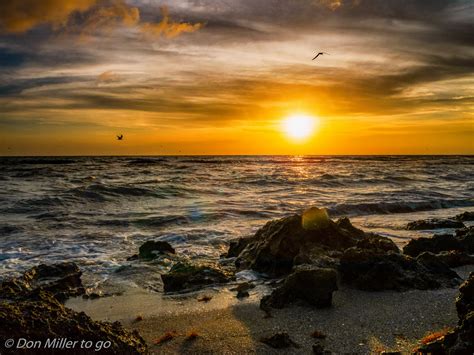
{"x":97,"y":211}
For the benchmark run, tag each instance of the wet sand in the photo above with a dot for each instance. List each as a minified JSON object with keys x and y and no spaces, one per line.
{"x":358,"y":322}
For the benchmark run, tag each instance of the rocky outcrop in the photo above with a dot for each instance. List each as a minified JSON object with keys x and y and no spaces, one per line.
{"x":436,"y":244}
{"x":376,"y":270}
{"x":62,"y":280}
{"x":435,"y":223}
{"x":30,"y":309}
{"x":454,"y":258}
{"x":465,"y":216}
{"x":312,"y":285}
{"x":461,"y":339}
{"x":466,"y":238}
{"x":186,"y":276}
{"x":151,"y":249}
{"x":304,"y":237}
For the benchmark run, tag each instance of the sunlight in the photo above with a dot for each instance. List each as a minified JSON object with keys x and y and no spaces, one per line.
{"x":299,"y":126}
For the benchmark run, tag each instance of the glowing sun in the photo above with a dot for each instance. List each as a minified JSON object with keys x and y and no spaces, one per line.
{"x":299,"y":127}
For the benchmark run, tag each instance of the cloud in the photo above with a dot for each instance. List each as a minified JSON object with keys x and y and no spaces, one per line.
{"x":108,"y":77}
{"x":85,"y":17}
{"x":168,"y":28}
{"x":17,"y":16}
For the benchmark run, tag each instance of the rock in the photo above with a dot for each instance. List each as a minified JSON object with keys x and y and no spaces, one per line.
{"x":186,"y":276}
{"x":242,"y":289}
{"x":465,"y":300}
{"x":465,"y":216}
{"x":151,"y":249}
{"x":318,"y":349}
{"x":461,"y":339}
{"x":312,"y":285}
{"x":306,"y":236}
{"x":436,"y":244}
{"x":279,"y":341}
{"x":29,"y":309}
{"x":62,"y":280}
{"x":454,"y":258}
{"x":434,"y":223}
{"x":377,"y":242}
{"x":466,"y":238}
{"x":373,"y":270}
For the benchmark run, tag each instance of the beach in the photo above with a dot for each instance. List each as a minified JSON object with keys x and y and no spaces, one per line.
{"x":359,"y":322}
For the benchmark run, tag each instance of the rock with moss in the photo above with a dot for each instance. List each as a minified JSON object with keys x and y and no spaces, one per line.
{"x":306,"y":237}
{"x":187,"y":276}
{"x":152,"y":249}
{"x":312,"y":285}
{"x":30,"y":308}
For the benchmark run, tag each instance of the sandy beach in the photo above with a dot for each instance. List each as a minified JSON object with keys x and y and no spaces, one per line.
{"x":359,"y":322}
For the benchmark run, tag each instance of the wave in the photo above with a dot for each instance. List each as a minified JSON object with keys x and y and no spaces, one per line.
{"x":37,"y":161}
{"x":396,"y":207}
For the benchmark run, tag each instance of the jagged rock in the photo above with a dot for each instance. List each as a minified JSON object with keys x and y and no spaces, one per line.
{"x":466,"y":238}
{"x":436,"y":244}
{"x":454,"y":258}
{"x":151,"y":249}
{"x":374,"y":270}
{"x":275,"y":246}
{"x":186,"y":276}
{"x":465,"y":300}
{"x":377,"y":242}
{"x":62,"y":280}
{"x":434,"y":223}
{"x":465,"y":216}
{"x":279,"y":341}
{"x":29,"y":309}
{"x":312,"y":285}
{"x":461,"y":339}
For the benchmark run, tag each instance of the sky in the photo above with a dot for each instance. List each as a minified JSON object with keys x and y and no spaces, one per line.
{"x":222,"y":76}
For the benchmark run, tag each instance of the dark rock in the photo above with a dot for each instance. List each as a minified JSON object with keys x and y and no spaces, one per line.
{"x":465,"y":300}
{"x":29,"y":309}
{"x":62,"y":280}
{"x":236,"y":246}
{"x":461,"y":339}
{"x":275,"y":246}
{"x":133,"y":257}
{"x":312,"y":285}
{"x":455,"y":258}
{"x":465,"y":216}
{"x":466,"y":238}
{"x":436,"y":244}
{"x":151,"y":249}
{"x":186,"y":276}
{"x":377,"y":242}
{"x":318,"y":349}
{"x":434,"y":223}
{"x":242,"y":289}
{"x":279,"y":341}
{"x":373,"y":270}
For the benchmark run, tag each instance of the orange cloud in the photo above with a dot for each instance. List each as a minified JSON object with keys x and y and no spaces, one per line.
{"x":17,"y":16}
{"x":168,"y":28}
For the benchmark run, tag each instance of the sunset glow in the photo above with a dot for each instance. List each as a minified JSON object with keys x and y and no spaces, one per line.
{"x":299,"y":127}
{"x":213,"y":77}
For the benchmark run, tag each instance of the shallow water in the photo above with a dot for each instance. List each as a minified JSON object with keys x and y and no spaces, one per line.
{"x":97,"y":211}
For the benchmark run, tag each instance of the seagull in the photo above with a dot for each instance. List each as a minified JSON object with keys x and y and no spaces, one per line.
{"x":320,"y":53}
{"x":120,"y":137}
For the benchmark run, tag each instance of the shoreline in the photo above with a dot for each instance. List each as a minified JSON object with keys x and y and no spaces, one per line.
{"x":358,"y":321}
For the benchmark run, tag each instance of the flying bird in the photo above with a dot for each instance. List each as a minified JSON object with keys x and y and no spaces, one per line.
{"x":120,"y":137}
{"x":320,"y":53}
